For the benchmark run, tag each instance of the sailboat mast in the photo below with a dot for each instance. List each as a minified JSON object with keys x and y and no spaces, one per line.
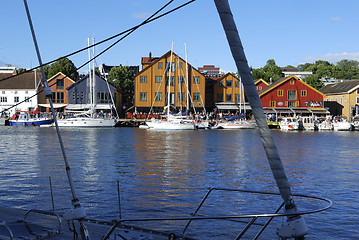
{"x":89,"y":80}
{"x":169,"y":84}
{"x":187,"y":105}
{"x":94,"y":97}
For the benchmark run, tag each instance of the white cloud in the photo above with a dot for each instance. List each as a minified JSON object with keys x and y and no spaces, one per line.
{"x":141,"y":15}
{"x":334,"y":57}
{"x":335,"y":18}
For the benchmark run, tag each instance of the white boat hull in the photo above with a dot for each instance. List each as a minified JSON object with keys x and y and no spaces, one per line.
{"x":342,"y":126}
{"x":235,"y":125}
{"x":86,"y":122}
{"x":170,"y":125}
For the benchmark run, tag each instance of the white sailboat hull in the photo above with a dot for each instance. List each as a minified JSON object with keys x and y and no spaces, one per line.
{"x":170,"y":125}
{"x":86,"y":122}
{"x":342,"y":126}
{"x":235,"y":125}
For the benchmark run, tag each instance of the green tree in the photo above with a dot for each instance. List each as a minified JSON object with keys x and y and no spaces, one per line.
{"x":314,"y":81}
{"x":65,"y":66}
{"x":122,"y":78}
{"x":21,"y":70}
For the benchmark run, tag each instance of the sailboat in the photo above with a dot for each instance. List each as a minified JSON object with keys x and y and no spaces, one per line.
{"x":88,"y":118}
{"x":239,"y":121}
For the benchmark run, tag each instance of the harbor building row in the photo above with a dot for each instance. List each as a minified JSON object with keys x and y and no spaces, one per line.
{"x":171,"y":76}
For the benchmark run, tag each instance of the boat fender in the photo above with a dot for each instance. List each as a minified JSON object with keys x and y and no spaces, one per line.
{"x":294,"y":227}
{"x":172,"y":236}
{"x":78,"y":212}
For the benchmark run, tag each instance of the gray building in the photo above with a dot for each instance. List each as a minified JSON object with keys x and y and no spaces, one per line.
{"x":79,"y":97}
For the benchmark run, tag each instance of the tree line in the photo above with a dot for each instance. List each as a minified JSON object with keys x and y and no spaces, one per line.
{"x":122,"y":77}
{"x":344,"y":69}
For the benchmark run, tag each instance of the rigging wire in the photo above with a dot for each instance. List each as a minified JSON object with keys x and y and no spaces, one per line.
{"x":148,"y":20}
{"x":128,"y":31}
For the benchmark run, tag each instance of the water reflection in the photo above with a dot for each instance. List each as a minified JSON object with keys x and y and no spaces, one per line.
{"x":165,"y":173}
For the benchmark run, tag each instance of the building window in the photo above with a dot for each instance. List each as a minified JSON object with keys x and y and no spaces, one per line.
{"x":181,"y":97}
{"x":341,"y":100}
{"x":303,"y":93}
{"x":159,"y":65}
{"x":27,"y":99}
{"x":158,"y":79}
{"x":237,"y":98}
{"x":272,"y":103}
{"x":73,"y":96}
{"x":260,"y":88}
{"x":158,"y":97}
{"x":357,"y":100}
{"x":221,"y":84}
{"x":219,"y":97}
{"x":291,"y":104}
{"x":60,"y":84}
{"x":180,"y":79}
{"x":292,"y":82}
{"x":280,"y":93}
{"x":143,"y":79}
{"x":102,"y":97}
{"x":3,"y":92}
{"x":3,"y":99}
{"x":236,"y":84}
{"x":172,"y":98}
{"x":196,"y":80}
{"x":60,"y":97}
{"x":168,"y":67}
{"x":228,"y":97}
{"x":143,"y":96}
{"x":292,"y":94}
{"x":180,"y":65}
{"x":358,"y":91}
{"x":229,"y":83}
{"x":196,"y":97}
{"x":172,"y":80}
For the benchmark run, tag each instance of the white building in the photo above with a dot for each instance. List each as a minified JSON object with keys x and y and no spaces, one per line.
{"x":16,"y":89}
{"x":7,"y":69}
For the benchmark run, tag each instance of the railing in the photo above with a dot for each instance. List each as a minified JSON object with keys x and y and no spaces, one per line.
{"x":8,"y":230}
{"x":252,"y":217}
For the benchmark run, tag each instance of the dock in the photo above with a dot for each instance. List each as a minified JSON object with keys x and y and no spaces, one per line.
{"x":130,"y":122}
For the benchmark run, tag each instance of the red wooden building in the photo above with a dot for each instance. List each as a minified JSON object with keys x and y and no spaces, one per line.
{"x":260,"y":84}
{"x":291,"y":95}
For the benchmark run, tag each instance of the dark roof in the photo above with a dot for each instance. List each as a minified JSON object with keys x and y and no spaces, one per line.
{"x":20,"y":81}
{"x":273,"y":85}
{"x":342,"y":87}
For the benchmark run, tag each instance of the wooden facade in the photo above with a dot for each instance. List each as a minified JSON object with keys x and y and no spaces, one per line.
{"x":260,"y":84}
{"x":58,"y":85}
{"x":151,"y":83}
{"x":342,"y":98}
{"x":291,"y":93}
{"x":228,"y":88}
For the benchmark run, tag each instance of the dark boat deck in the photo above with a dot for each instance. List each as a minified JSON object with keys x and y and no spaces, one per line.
{"x":42,"y":226}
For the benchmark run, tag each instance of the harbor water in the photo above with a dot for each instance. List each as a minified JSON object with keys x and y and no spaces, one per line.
{"x":166,"y":174}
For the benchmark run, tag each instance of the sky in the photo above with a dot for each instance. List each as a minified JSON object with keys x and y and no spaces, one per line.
{"x":291,"y":32}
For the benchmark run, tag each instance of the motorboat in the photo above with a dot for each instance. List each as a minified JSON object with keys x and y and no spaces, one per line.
{"x":290,"y":124}
{"x":29,"y":119}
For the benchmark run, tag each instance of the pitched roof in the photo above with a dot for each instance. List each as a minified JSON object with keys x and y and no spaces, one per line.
{"x":283,"y":80}
{"x":156,"y":59}
{"x":19,"y":81}
{"x":342,"y":87}
{"x":57,"y":76}
{"x":260,"y":80}
{"x":224,"y":76}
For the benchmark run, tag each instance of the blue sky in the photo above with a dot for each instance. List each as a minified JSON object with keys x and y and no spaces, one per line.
{"x":290,"y":32}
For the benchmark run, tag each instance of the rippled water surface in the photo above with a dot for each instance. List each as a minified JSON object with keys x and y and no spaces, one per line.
{"x":164,"y":174}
